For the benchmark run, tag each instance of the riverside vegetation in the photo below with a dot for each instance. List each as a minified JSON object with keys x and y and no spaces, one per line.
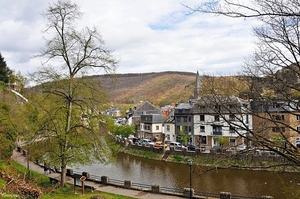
{"x":17,"y":182}
{"x":213,"y":163}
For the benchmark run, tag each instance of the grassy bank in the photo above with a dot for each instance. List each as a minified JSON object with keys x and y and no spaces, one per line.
{"x":19,"y":177}
{"x":220,"y":162}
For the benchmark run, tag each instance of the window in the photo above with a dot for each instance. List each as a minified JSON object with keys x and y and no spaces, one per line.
{"x":202,"y":128}
{"x":217,"y":118}
{"x":168,"y":136}
{"x":298,"y":129}
{"x":276,"y":105}
{"x":190,"y":119}
{"x":157,"y":127}
{"x":298,"y":142}
{"x":247,"y":119}
{"x":185,"y":129}
{"x":231,"y":129}
{"x":168,"y":128}
{"x":278,"y":129}
{"x":185,"y":119}
{"x":232,"y":141}
{"x":202,"y":118}
{"x":178,"y":119}
{"x":202,"y":107}
{"x":298,"y":117}
{"x":190,"y":129}
{"x":231,"y":117}
{"x":278,"y":117}
{"x":141,"y":127}
{"x":202,"y":139}
{"x":217,"y":130}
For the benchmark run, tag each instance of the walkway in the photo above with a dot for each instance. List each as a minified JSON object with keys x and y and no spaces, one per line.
{"x":18,"y":157}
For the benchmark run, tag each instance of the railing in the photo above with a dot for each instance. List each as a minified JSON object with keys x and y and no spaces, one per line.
{"x":162,"y":190}
{"x":171,"y":190}
{"x":217,"y":133}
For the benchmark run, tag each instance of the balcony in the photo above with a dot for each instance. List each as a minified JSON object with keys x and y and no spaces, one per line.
{"x":217,"y":133}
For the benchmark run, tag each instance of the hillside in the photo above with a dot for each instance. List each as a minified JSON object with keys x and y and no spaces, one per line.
{"x":158,"y":88}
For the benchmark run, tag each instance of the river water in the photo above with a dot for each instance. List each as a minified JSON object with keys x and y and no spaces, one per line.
{"x":167,"y":174}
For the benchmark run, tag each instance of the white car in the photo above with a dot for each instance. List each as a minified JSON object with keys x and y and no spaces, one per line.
{"x":147,"y":142}
{"x":176,"y":145}
{"x":241,"y":147}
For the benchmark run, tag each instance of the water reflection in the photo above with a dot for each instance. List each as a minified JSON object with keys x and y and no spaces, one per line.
{"x":166,"y":174}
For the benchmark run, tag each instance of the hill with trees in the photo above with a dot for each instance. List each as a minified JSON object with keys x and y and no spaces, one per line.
{"x":158,"y":88}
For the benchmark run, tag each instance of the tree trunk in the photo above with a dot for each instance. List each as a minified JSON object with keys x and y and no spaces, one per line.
{"x":63,"y":173}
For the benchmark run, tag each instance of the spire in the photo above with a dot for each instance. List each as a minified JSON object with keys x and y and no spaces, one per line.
{"x":197,"y":86}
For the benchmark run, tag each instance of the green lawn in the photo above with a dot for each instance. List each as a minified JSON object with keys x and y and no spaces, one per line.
{"x":41,"y":182}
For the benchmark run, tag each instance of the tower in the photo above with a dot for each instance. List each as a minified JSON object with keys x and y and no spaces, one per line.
{"x":197,"y":86}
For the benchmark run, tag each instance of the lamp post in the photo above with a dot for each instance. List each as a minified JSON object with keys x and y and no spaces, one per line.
{"x":190,"y":162}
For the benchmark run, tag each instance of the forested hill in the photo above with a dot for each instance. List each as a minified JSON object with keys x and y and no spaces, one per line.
{"x":161,"y":88}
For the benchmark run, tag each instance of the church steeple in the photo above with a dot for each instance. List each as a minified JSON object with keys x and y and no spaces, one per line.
{"x":197,"y":86}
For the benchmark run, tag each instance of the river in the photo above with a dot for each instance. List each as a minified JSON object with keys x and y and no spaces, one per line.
{"x":167,"y":174}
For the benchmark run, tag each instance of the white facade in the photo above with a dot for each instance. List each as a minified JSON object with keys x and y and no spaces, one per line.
{"x":230,"y":120}
{"x":169,"y":131}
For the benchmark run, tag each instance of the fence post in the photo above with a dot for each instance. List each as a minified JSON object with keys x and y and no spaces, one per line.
{"x":155,"y":188}
{"x":127,"y":183}
{"x":187,"y":194}
{"x":225,"y":195}
{"x":104,"y":179}
{"x":69,"y":172}
{"x":86,"y":174}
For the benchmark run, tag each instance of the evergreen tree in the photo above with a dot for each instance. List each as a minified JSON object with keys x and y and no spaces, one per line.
{"x":5,"y":72}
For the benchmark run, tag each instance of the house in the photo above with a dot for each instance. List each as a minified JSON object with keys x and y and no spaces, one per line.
{"x":217,"y":116}
{"x":113,"y":112}
{"x":277,"y":119}
{"x":169,"y":128}
{"x":145,"y":108}
{"x":151,"y":126}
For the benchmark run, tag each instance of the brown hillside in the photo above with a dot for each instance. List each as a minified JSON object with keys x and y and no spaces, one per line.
{"x":158,"y":88}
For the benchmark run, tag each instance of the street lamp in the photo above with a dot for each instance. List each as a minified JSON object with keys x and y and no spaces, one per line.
{"x":190,"y":162}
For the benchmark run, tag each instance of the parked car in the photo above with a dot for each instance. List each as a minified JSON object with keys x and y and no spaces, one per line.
{"x":134,"y":140}
{"x":147,"y":142}
{"x":176,"y":145}
{"x":159,"y":144}
{"x":219,"y":149}
{"x":241,"y":147}
{"x":192,"y":147}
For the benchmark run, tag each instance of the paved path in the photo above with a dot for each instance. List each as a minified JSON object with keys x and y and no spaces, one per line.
{"x":100,"y":187}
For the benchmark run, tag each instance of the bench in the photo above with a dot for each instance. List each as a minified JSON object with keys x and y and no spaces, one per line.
{"x":53,"y":180}
{"x":89,"y":187}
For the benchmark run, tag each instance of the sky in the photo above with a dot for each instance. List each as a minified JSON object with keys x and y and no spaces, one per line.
{"x":146,"y":36}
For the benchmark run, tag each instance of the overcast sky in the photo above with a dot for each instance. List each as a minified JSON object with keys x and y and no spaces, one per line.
{"x":146,"y":35}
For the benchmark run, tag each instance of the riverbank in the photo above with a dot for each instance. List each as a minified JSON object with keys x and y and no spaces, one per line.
{"x":219,"y":161}
{"x":141,"y":194}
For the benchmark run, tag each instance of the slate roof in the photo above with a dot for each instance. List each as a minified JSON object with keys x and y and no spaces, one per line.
{"x":146,"y":108}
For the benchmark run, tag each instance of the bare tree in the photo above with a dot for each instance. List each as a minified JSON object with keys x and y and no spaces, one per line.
{"x":65,"y":107}
{"x":272,"y":72}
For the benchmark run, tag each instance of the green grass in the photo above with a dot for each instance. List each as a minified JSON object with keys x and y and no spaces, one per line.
{"x":68,"y":193}
{"x":144,"y":154}
{"x":42,"y":182}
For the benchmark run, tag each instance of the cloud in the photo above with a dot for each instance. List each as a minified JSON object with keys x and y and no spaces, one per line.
{"x":146,"y":36}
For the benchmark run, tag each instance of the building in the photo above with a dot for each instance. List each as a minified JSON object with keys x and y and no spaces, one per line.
{"x":169,"y":128}
{"x":221,"y":116}
{"x":151,"y":126}
{"x":277,"y":120}
{"x":146,"y":108}
{"x":205,"y":119}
